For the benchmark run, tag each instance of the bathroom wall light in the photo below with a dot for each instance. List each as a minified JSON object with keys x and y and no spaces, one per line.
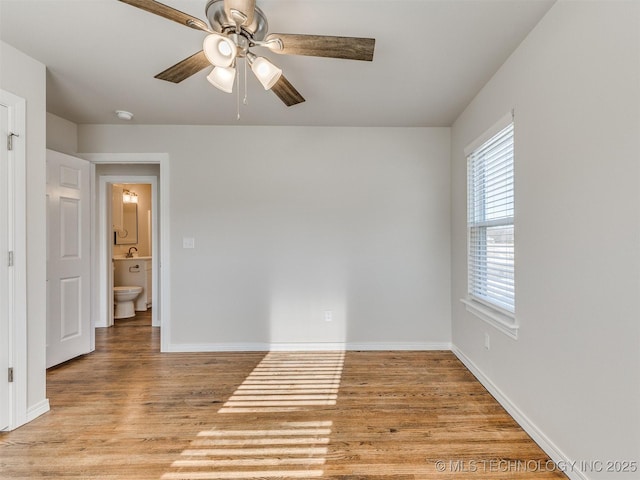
{"x":129,"y":197}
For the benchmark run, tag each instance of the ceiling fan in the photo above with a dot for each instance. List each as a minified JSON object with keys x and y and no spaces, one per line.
{"x":236,"y":26}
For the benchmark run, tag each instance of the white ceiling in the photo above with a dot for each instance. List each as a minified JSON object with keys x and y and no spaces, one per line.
{"x":431,"y":58}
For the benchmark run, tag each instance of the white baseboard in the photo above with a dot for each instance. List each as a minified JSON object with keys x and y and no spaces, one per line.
{"x":217,"y":347}
{"x":406,"y":346}
{"x":563,"y":462}
{"x":306,"y":346}
{"x":38,"y":409}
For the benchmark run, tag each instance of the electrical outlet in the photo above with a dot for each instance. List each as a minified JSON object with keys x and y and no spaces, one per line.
{"x":188,"y":242}
{"x":328,"y":316}
{"x":487,"y":341}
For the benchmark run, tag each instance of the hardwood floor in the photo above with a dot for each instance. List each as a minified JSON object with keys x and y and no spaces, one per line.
{"x":128,"y":412}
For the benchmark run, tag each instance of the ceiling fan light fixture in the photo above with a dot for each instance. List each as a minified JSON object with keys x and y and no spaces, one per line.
{"x":222,"y":78}
{"x":265,"y":71}
{"x":219,"y":50}
{"x":234,"y":27}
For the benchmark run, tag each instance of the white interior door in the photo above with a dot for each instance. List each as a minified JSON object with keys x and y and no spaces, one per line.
{"x":68,"y":258}
{"x":5,"y":414}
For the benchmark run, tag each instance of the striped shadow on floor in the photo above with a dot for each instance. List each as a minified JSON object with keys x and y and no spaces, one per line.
{"x":280,"y":383}
{"x":289,"y":381}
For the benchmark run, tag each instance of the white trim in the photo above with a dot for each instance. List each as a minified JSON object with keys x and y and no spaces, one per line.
{"x":156,"y":247}
{"x":559,"y":457}
{"x":150,"y":158}
{"x":93,"y":238}
{"x":38,"y":409}
{"x":18,"y":345}
{"x":103,"y":311}
{"x":217,"y":347}
{"x":164,"y":264}
{"x":406,"y":346}
{"x":502,"y":321}
{"x":489,"y":133}
{"x":161,"y":261}
{"x":307,"y":346}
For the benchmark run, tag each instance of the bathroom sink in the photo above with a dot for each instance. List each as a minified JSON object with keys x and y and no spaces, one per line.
{"x":135,"y":257}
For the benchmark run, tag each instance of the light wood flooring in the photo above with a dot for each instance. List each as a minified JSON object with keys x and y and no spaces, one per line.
{"x":128,"y":412}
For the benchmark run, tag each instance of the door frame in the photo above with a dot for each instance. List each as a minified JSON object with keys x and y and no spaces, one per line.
{"x":160,"y":254}
{"x":17,"y":242}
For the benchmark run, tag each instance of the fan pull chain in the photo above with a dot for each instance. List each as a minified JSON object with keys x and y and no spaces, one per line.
{"x":245,"y":101}
{"x":238,"y":96}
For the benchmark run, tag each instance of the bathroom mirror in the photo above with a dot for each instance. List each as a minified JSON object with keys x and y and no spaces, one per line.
{"x":129,"y":233}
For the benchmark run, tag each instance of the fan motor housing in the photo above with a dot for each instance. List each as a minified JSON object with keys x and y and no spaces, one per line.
{"x":221,"y":23}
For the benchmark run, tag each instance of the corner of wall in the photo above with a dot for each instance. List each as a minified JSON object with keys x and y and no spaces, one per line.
{"x":62,"y":135}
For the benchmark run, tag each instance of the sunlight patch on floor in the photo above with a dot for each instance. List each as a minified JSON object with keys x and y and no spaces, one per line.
{"x":281,"y":382}
{"x":290,"y":450}
{"x":286,"y":381}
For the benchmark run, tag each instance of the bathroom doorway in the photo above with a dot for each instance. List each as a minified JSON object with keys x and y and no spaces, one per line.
{"x":127,"y":231}
{"x":132,"y":248}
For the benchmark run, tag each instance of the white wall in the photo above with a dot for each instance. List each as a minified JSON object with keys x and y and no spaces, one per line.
{"x":290,"y":222}
{"x":25,"y":77}
{"x":573,"y":374}
{"x":62,"y":135}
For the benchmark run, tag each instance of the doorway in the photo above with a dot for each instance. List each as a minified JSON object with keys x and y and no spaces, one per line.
{"x":113,"y":244}
{"x":132,"y":246}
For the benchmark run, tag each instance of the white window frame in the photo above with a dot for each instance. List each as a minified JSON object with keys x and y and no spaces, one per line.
{"x":495,"y":314}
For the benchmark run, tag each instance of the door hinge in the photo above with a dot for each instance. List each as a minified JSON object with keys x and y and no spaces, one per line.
{"x":10,"y":140}
{"x":10,"y":375}
{"x":11,"y":258}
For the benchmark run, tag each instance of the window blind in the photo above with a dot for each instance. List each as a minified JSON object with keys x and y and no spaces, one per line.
{"x":491,"y":262}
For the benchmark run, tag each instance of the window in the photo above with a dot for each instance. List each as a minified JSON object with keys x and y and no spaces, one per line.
{"x":490,"y":220}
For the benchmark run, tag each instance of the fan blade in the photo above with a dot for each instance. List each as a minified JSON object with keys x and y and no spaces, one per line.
{"x":245,"y":7}
{"x":350,"y":48}
{"x":287,"y":92}
{"x":184,"y":69}
{"x":169,"y":12}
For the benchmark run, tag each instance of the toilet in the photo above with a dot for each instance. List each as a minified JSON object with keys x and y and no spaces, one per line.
{"x":123,"y":298}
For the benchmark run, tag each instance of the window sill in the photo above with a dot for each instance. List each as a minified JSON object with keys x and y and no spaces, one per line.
{"x":506,"y":324}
